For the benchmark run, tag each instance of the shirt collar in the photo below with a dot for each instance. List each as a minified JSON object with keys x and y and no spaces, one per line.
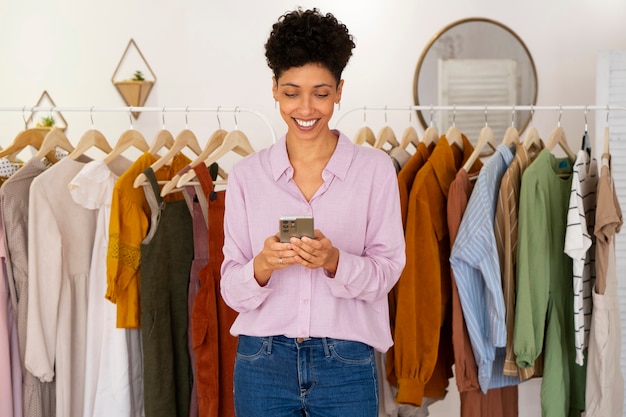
{"x":338,"y":164}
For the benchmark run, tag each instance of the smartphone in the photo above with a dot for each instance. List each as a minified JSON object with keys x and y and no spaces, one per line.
{"x":297,"y":226}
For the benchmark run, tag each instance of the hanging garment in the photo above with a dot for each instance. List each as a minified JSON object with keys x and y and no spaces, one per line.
{"x":605,"y":382}
{"x":60,"y":242}
{"x":39,"y":398}
{"x":506,"y":234}
{"x":113,"y":383}
{"x":200,"y":259}
{"x":476,"y":268}
{"x":166,"y":257}
{"x":544,"y":317}
{"x":406,"y":177}
{"x":10,"y":365}
{"x":214,"y":346}
{"x":130,"y":214}
{"x":498,"y":401}
{"x":423,"y":292}
{"x":580,"y":246}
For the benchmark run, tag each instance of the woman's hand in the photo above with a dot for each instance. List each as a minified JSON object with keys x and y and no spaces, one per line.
{"x":315,"y":253}
{"x":275,"y":255}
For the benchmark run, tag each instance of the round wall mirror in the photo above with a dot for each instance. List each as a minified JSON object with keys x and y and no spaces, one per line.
{"x":475,"y":62}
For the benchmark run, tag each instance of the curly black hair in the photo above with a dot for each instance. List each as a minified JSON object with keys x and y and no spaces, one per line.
{"x":303,"y":37}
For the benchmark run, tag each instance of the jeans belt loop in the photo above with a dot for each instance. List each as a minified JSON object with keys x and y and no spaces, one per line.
{"x":270,"y":339}
{"x":326,"y":348}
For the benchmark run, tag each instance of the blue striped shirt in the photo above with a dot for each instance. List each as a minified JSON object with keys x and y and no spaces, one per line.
{"x":476,"y":266}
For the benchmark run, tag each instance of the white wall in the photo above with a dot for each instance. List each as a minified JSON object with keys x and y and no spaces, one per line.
{"x":210,"y":53}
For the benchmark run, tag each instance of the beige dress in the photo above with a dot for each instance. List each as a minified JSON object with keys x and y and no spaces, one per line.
{"x":60,"y":241}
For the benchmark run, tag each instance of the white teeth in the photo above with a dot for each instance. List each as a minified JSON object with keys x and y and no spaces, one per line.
{"x":305,"y":123}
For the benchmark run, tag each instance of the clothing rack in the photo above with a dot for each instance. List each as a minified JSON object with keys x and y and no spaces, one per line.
{"x":514,"y":108}
{"x":132,"y":109}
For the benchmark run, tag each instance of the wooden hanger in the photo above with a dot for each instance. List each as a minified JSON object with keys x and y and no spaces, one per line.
{"x":485,"y":138}
{"x":532,"y":139}
{"x":431,"y":135}
{"x":454,"y":136}
{"x":386,"y":135}
{"x":90,"y":139}
{"x":409,"y":136}
{"x":163,"y":139}
{"x":185,"y":139}
{"x":511,"y":136}
{"x":128,"y":138}
{"x":53,"y":139}
{"x":235,"y":141}
{"x":557,"y":137}
{"x":27,"y":137}
{"x":365,"y":135}
{"x":216,"y":139}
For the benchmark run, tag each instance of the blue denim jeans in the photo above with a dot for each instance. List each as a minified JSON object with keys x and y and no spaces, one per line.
{"x":278,"y":376}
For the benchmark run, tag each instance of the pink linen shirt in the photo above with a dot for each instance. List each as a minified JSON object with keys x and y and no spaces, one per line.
{"x":357,"y":208}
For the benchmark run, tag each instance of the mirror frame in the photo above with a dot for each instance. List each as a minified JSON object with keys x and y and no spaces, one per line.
{"x":438,"y":35}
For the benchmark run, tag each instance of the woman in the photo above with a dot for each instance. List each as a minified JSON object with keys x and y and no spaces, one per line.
{"x":311,"y":310}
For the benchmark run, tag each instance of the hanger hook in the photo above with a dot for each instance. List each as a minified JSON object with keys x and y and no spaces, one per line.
{"x":24,"y":117}
{"x":364,"y":115}
{"x":607,"y":114}
{"x":163,"y":117}
{"x":560,"y":114}
{"x":186,"y":118}
{"x":431,"y":115}
{"x":217,"y":114}
{"x":513,"y":116}
{"x":454,"y":115}
{"x":130,"y":117}
{"x":486,"y":116}
{"x":532,"y":115}
{"x":385,"y":114}
{"x":235,"y":116}
{"x":91,"y":116}
{"x":410,"y":115}
{"x":586,"y":125}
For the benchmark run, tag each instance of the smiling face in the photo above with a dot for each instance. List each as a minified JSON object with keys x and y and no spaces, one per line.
{"x":307,"y":96}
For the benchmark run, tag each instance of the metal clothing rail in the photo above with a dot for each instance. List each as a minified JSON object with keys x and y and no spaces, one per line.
{"x":131,"y":109}
{"x":514,"y":108}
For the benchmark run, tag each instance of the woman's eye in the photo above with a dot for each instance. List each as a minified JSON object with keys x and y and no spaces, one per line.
{"x":290,"y":95}
{"x":322,"y":95}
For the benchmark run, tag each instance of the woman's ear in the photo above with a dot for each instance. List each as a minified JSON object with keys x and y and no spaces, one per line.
{"x":339,"y":90}
{"x":275,"y":88}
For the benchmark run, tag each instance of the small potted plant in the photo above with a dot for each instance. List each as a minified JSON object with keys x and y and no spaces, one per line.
{"x":46,"y":122}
